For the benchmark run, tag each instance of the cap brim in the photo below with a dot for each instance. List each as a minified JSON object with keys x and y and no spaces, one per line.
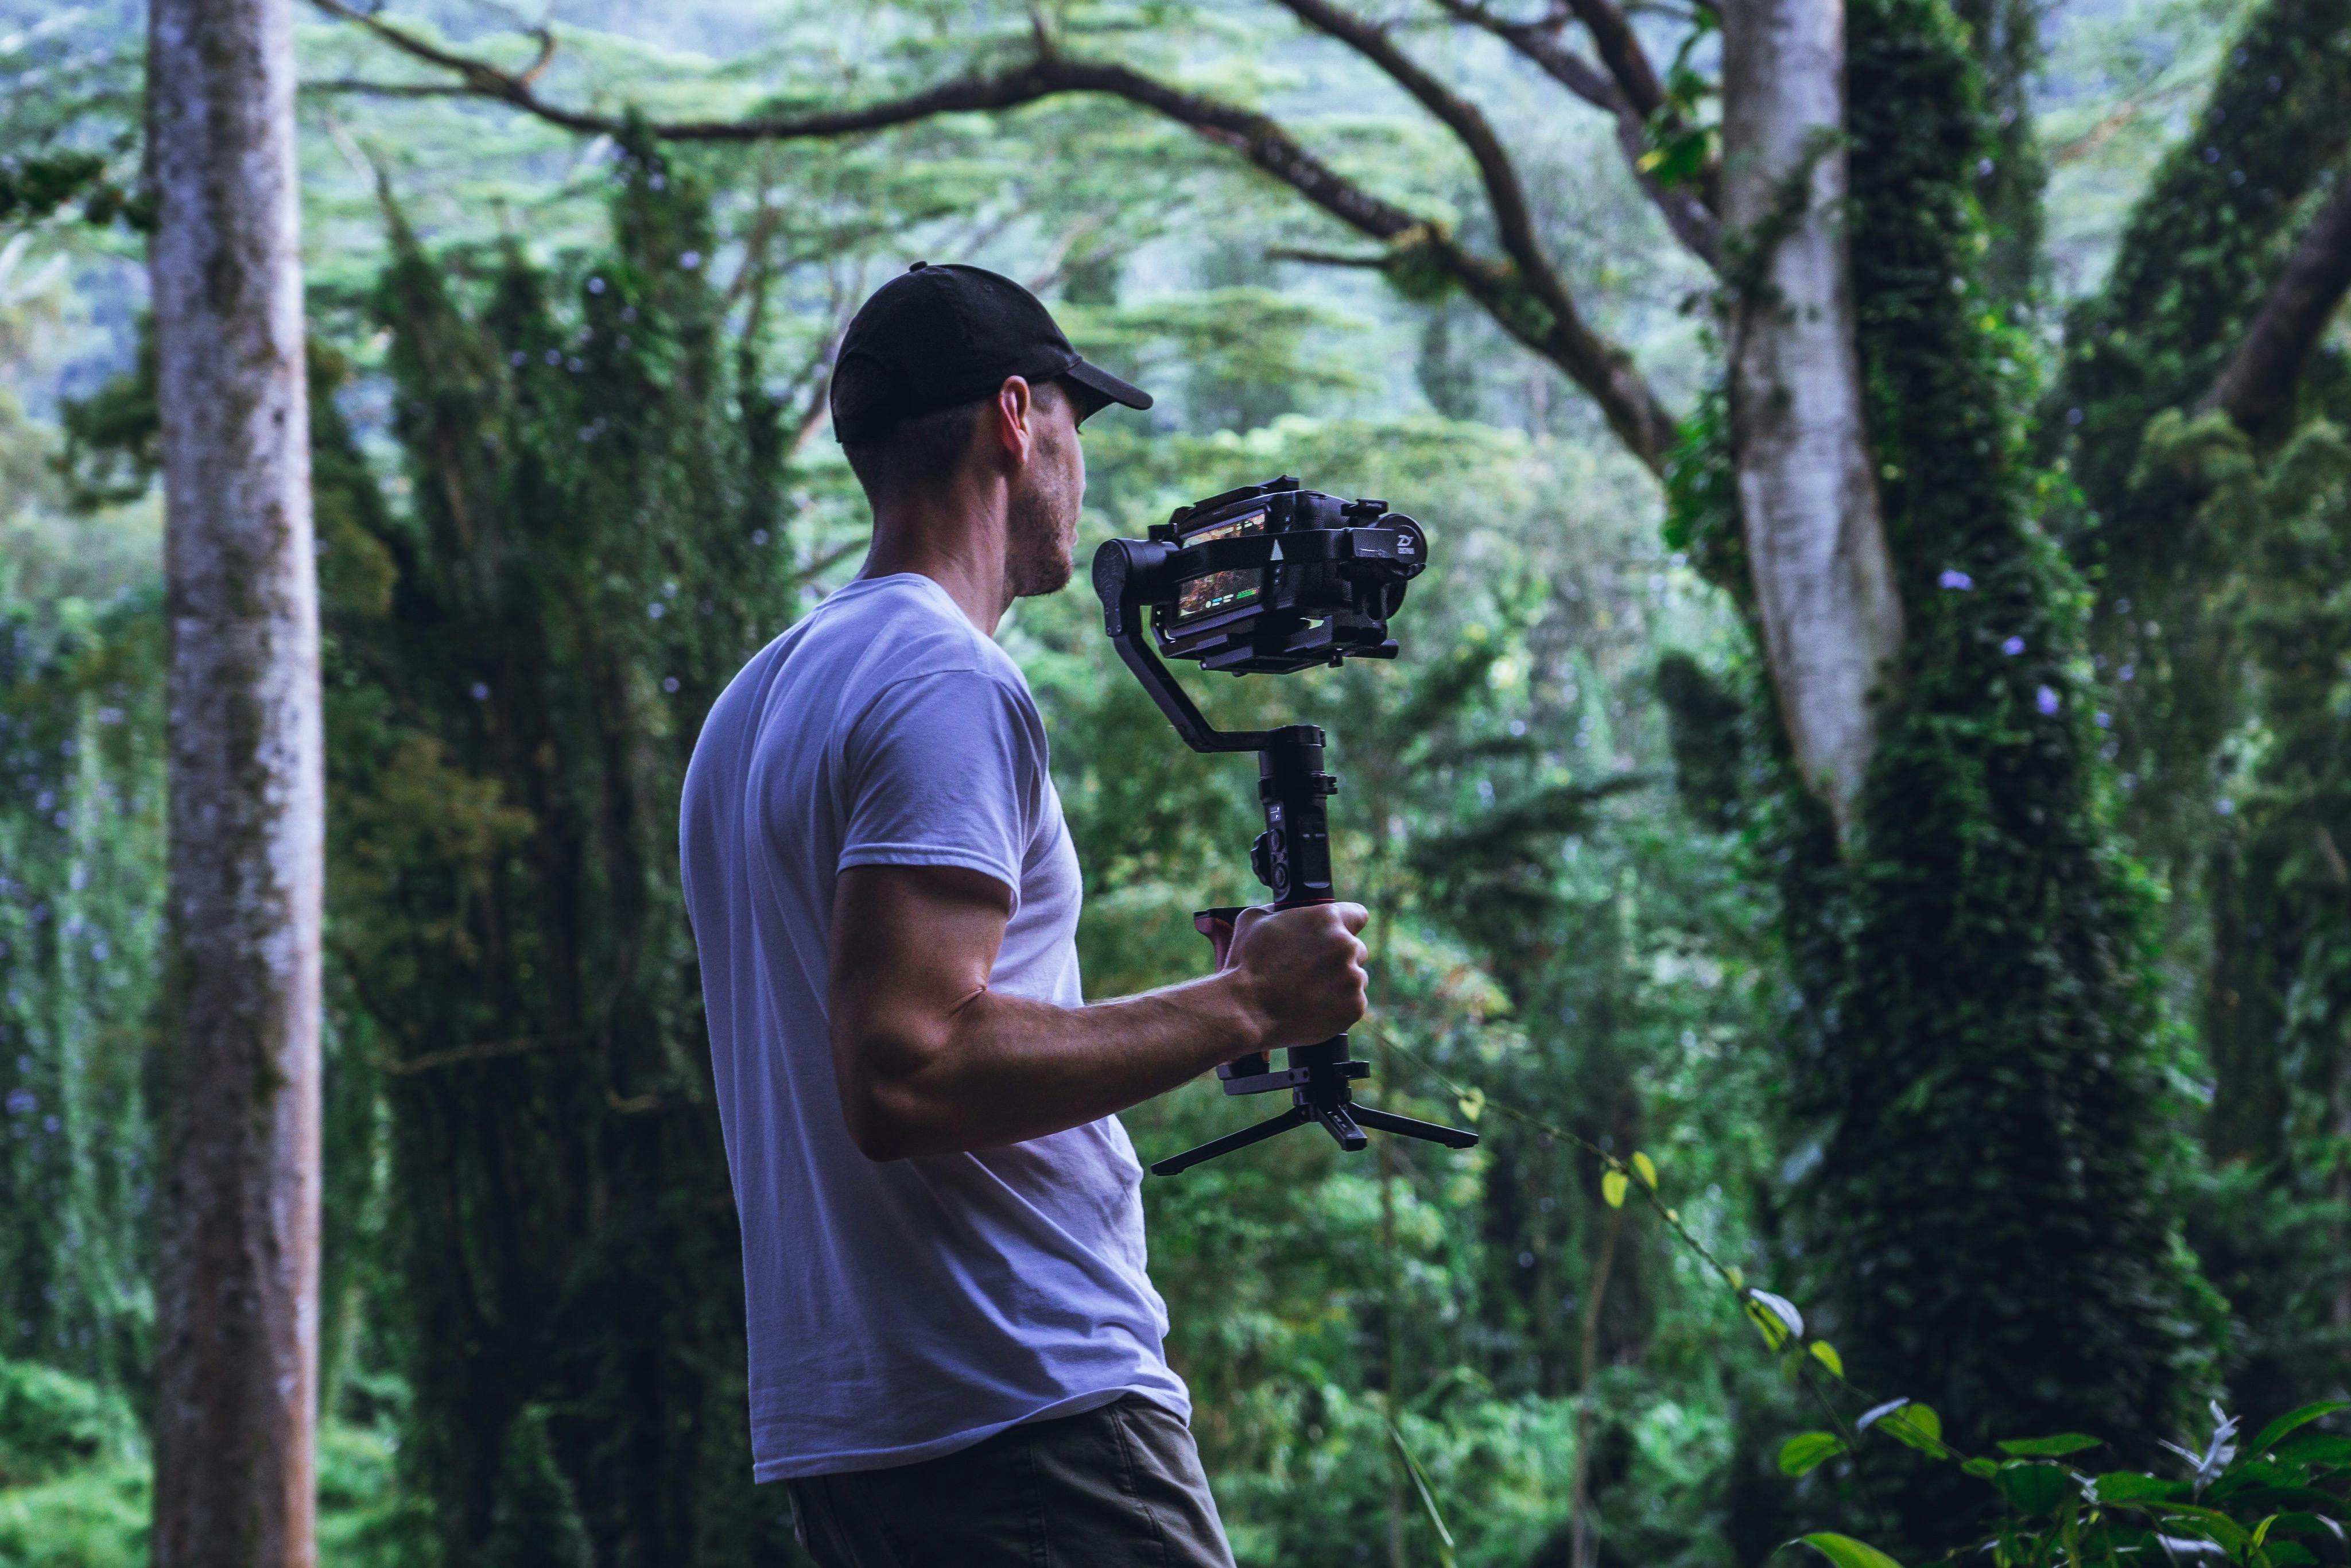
{"x":1094,"y":379}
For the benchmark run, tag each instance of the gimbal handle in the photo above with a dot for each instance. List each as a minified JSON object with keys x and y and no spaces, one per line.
{"x":1291,"y":857}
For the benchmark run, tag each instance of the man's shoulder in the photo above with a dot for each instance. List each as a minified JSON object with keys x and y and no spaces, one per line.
{"x":881,"y":631}
{"x":832,"y":672}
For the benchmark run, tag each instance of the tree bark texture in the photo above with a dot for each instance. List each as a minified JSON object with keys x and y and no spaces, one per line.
{"x":1808,"y":500}
{"x":2256,"y":390}
{"x":237,"y":1281}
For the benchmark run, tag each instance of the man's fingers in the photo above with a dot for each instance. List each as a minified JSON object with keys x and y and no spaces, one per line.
{"x":1352,"y":915}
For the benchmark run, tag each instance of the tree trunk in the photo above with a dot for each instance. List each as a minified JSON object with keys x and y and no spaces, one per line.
{"x":1807,"y":492}
{"x":237,"y":1283}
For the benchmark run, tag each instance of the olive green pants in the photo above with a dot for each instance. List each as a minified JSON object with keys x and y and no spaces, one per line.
{"x":1117,"y":1487}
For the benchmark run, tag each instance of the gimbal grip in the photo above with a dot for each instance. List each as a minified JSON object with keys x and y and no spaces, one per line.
{"x":1217,"y":926}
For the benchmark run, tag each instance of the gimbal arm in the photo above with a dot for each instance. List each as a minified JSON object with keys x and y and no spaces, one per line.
{"x":1128,"y":575}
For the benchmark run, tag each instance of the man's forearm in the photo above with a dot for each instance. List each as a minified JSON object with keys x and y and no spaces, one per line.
{"x":1011,"y":1068}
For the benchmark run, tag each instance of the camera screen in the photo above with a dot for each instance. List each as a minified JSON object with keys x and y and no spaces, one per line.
{"x":1221,"y":590}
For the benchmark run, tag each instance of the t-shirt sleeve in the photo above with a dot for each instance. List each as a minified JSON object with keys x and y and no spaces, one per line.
{"x":945,"y":770}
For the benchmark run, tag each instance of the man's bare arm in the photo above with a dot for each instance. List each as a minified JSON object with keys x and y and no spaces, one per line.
{"x":930,"y":1060}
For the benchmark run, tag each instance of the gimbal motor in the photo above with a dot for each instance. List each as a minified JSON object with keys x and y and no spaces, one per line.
{"x":1270,"y":579}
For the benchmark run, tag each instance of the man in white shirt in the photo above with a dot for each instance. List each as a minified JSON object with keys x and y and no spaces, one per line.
{"x":955,"y":1349}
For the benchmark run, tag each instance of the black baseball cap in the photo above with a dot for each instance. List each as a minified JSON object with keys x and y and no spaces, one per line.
{"x":934,"y":337}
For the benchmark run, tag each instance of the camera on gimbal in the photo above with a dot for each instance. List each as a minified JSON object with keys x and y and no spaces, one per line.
{"x":1314,"y":580}
{"x":1270,"y":579}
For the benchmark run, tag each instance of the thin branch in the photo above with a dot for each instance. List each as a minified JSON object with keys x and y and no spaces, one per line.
{"x":1326,"y":257}
{"x":1554,"y":327}
{"x":1598,"y":366}
{"x":1539,"y":42}
{"x":2256,"y":389}
{"x":400,"y":1067}
{"x":1690,"y":213}
{"x":360,"y":87}
{"x":2075,"y":148}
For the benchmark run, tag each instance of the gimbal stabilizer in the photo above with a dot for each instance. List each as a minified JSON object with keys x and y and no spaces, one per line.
{"x":1270,"y":577}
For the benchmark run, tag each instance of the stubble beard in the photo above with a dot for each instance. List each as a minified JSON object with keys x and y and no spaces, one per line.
{"x":1040,"y":537}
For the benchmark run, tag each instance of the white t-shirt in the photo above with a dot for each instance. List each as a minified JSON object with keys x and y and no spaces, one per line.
{"x":904,"y":1310}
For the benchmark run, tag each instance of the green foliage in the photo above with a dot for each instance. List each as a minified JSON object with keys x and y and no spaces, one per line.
{"x":2204,"y":242}
{"x":51,"y":1422}
{"x":2280,"y":989}
{"x":595,"y":536}
{"x":537,"y":1522}
{"x":2272,"y":1502}
{"x":81,"y":870}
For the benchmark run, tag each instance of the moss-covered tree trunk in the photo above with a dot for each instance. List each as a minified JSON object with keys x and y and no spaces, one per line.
{"x":1986,"y":1204}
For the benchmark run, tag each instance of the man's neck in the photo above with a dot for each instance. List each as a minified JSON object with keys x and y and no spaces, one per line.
{"x":957,"y":539}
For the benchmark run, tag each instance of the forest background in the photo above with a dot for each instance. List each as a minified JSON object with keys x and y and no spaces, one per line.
{"x":571,"y":468}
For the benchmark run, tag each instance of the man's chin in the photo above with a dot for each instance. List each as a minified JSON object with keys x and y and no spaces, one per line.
{"x":1043,"y":576}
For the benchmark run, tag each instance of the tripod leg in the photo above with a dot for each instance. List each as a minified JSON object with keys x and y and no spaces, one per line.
{"x":1293,"y":1117}
{"x":1340,"y":1126}
{"x":1405,"y":1126}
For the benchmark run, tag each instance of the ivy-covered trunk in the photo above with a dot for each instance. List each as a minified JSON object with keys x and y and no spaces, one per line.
{"x":592,"y":545}
{"x":2219,"y":547}
{"x":1985,"y":1201}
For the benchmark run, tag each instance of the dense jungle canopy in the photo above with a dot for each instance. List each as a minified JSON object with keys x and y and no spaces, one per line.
{"x":1982,"y":1041}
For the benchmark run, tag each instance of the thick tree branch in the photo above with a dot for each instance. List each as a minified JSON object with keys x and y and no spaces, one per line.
{"x":1539,"y":42}
{"x":1621,"y":51}
{"x":1525,"y":296}
{"x":2256,"y":389}
{"x":1690,"y":213}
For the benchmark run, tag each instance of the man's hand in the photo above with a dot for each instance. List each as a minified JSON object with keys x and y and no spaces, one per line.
{"x":1301,"y":970}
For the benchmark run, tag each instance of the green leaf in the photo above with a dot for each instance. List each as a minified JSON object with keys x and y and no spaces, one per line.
{"x":2138,"y":1487}
{"x":1612,"y":1186}
{"x":1825,"y":1353}
{"x":1982,"y":1470}
{"x":1775,"y":1317}
{"x":1807,"y":1451}
{"x":1847,"y":1553}
{"x":1916,"y":1426}
{"x":1647,"y":1167}
{"x":2048,"y":1447}
{"x":1472,"y":1101}
{"x":1427,"y":1497}
{"x":2034,"y":1486}
{"x":2271,"y":1435}
{"x":2286,"y":1555}
{"x":2296,"y":1524}
{"x":2212,"y":1523}
{"x":2318,"y":1452}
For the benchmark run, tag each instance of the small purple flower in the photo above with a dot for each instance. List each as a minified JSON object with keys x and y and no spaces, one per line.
{"x":2012,"y":647}
{"x":2228,"y":808}
{"x":22,"y":1102}
{"x":2045,"y":700}
{"x":2106,"y":721}
{"x":1958,"y":581}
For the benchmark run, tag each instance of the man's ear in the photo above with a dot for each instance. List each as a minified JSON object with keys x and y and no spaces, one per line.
{"x":1016,"y":420}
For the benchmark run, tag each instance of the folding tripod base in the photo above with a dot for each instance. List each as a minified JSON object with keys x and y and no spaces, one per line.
{"x":1318,"y":1092}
